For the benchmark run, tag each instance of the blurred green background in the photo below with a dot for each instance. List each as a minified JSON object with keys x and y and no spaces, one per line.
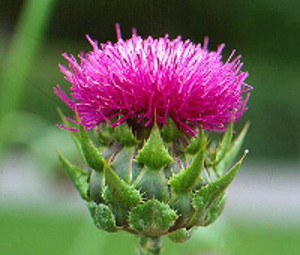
{"x":34,"y":33}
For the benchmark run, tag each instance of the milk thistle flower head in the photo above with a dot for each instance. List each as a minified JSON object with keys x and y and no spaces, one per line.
{"x":141,"y":80}
{"x":152,"y":104}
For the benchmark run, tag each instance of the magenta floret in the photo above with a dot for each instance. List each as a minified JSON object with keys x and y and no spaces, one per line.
{"x":141,"y":80}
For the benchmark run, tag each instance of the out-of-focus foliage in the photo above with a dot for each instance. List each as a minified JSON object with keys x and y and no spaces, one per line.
{"x":35,"y":232}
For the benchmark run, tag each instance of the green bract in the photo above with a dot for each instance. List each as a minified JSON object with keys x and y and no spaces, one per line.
{"x":165,"y":183}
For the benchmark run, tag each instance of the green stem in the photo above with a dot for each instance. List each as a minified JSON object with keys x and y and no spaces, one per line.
{"x":24,"y":46}
{"x":150,"y":245}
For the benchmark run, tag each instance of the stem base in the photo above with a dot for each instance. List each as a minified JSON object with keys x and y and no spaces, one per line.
{"x":150,"y":245}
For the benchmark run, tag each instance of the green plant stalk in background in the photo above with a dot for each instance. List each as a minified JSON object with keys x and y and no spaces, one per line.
{"x":26,"y":41}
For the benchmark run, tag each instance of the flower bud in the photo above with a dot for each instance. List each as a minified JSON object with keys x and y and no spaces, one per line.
{"x":152,"y":168}
{"x":146,"y":188}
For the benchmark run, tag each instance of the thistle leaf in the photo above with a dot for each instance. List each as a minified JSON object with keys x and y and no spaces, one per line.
{"x":196,"y":143}
{"x":78,"y":176}
{"x":123,"y":163}
{"x":152,"y":184}
{"x":90,"y":152}
{"x":184,"y":180}
{"x":103,"y":217}
{"x":233,"y":151}
{"x":207,"y":195}
{"x":215,"y":210}
{"x":180,"y":235}
{"x":96,"y":182}
{"x":120,"y":192}
{"x":105,"y":135}
{"x":154,"y":154}
{"x":182,"y":204}
{"x":123,"y":134}
{"x":224,"y":145}
{"x":170,"y":132}
{"x":152,"y":217}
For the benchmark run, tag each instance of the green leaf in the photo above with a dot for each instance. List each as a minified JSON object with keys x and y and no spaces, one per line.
{"x":154,"y":154}
{"x":170,"y":132}
{"x":152,"y":184}
{"x":78,"y":176}
{"x":180,"y":235}
{"x":103,"y":217}
{"x":152,"y":218}
{"x":96,"y":186}
{"x":216,"y":210}
{"x":90,"y":152}
{"x":233,"y":151}
{"x":182,"y":204}
{"x":208,"y":194}
{"x":224,"y":145}
{"x":123,"y":163}
{"x":196,"y":143}
{"x":120,"y":192}
{"x":105,"y":137}
{"x":123,"y":134}
{"x":184,"y":180}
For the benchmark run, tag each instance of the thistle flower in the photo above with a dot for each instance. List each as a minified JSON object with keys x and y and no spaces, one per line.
{"x":141,"y":80}
{"x":154,"y":171}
